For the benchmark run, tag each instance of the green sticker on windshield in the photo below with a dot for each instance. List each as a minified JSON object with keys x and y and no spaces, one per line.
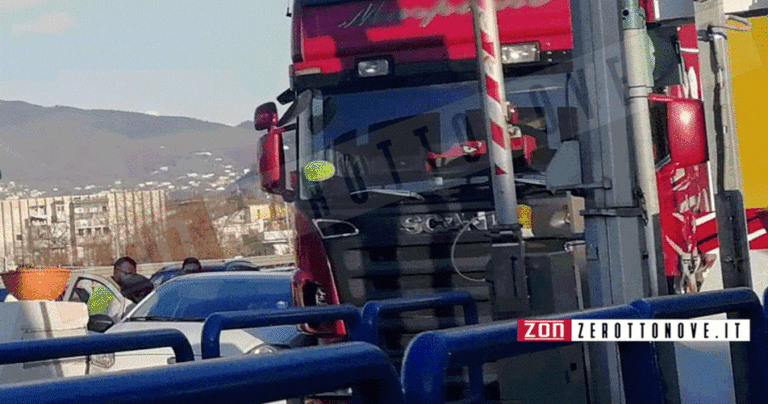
{"x":319,"y":170}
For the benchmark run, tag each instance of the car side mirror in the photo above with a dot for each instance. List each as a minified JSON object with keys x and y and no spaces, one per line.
{"x":100,"y":323}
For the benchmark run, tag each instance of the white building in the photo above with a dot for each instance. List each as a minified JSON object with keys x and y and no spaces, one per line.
{"x":70,"y":230}
{"x":267,"y":223}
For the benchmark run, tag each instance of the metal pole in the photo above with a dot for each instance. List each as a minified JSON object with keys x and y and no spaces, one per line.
{"x":614,"y":242}
{"x":640,"y":82}
{"x":722,"y":141}
{"x":506,"y":274}
{"x":723,"y":145}
{"x":494,"y":108}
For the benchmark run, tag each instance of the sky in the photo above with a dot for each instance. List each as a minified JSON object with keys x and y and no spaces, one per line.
{"x":211,"y":60}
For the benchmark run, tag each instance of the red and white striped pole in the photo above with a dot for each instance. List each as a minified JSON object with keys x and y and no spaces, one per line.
{"x":494,"y":108}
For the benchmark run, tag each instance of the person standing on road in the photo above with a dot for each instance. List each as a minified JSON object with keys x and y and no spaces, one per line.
{"x":102,"y":301}
{"x":123,"y":268}
{"x":132,"y":285}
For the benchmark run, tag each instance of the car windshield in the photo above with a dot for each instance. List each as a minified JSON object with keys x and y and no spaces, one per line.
{"x":194,"y":299}
{"x":170,"y":272}
{"x":408,"y":141}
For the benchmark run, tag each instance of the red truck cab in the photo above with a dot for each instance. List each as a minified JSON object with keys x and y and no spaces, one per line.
{"x":384,"y":154}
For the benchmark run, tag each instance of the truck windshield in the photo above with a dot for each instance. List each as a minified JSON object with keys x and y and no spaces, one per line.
{"x":416,"y":140}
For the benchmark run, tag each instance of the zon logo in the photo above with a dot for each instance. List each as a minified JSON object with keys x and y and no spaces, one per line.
{"x":543,"y":330}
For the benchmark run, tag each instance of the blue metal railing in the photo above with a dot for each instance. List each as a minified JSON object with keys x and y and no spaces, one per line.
{"x":307,"y":371}
{"x":362,"y":326}
{"x":374,"y":311}
{"x":765,"y":304}
{"x":431,"y":353}
{"x":67,"y":347}
{"x":749,"y":371}
{"x":233,"y":380}
{"x":217,"y":322}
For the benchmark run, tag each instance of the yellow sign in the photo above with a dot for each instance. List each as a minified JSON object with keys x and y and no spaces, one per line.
{"x":524,"y":219}
{"x":524,"y":216}
{"x":319,"y":170}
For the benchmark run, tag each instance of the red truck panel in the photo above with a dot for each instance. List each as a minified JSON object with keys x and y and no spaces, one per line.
{"x":683,"y":197}
{"x":333,"y":36}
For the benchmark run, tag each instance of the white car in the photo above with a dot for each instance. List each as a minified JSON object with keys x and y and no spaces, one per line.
{"x":183,"y":303}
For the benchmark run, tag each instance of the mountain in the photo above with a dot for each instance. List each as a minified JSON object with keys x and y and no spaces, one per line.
{"x":246,"y":125}
{"x":65,"y":150}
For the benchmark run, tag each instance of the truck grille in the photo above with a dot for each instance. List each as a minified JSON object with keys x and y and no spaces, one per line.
{"x":418,"y":265}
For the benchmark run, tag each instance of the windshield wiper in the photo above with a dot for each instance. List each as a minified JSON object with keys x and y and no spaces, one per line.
{"x":396,"y":192}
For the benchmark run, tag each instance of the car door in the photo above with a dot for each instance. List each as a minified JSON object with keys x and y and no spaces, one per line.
{"x":81,"y":287}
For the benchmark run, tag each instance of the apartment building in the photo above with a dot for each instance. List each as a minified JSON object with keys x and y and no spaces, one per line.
{"x":79,"y":229}
{"x":258,"y":229}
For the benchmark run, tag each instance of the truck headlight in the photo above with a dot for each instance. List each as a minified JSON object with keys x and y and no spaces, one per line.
{"x":372,"y":68}
{"x":520,"y":53}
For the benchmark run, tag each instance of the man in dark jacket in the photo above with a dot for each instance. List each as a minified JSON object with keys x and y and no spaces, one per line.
{"x":132,"y":285}
{"x":136,"y":287}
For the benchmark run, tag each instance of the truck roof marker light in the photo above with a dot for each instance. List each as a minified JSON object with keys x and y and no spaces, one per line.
{"x":373,"y":68}
{"x":520,"y":53}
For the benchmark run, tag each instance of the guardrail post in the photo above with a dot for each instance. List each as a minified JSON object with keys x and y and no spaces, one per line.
{"x":749,"y":368}
{"x":373,"y":312}
{"x":640,"y":373}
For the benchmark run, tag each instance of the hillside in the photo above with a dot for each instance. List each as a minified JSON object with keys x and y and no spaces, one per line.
{"x":47,"y":151}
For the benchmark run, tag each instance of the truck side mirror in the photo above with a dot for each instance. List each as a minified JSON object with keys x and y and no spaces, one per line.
{"x":265,"y":116}
{"x":272,"y":159}
{"x":687,"y":133}
{"x":272,"y":162}
{"x":685,"y":130}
